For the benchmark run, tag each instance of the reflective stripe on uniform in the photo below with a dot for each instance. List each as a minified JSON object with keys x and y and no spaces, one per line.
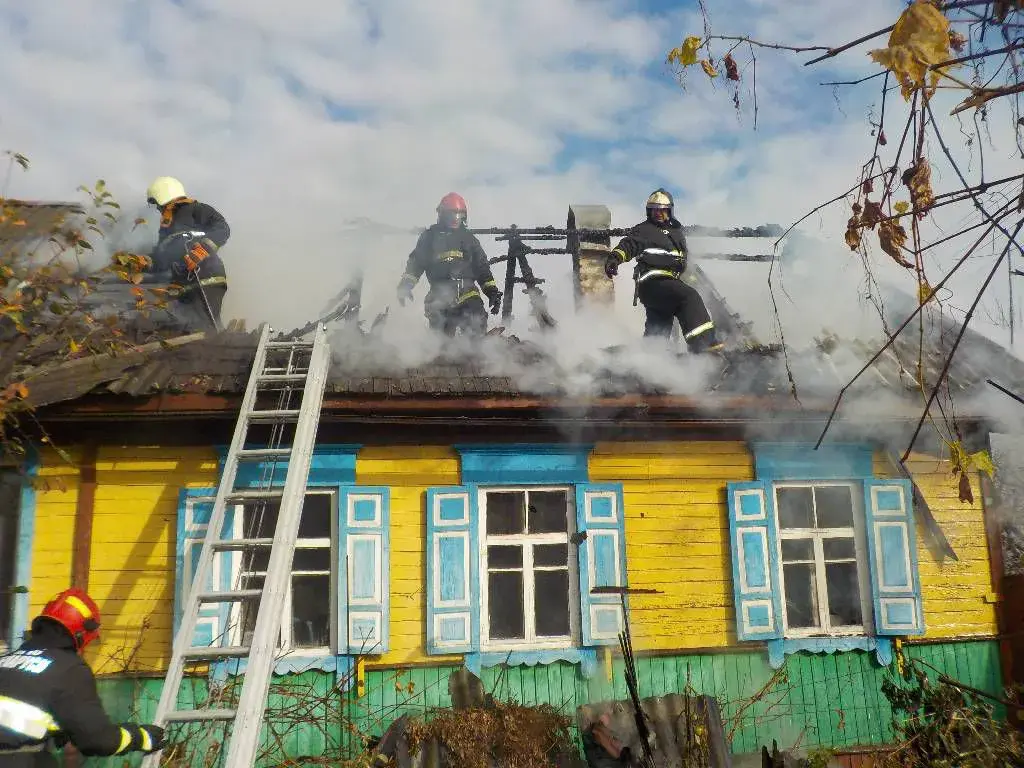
{"x":467,"y":295}
{"x":25,"y":719}
{"x":703,"y":328}
{"x":657,"y":273}
{"x":664,"y":252}
{"x":126,"y":740}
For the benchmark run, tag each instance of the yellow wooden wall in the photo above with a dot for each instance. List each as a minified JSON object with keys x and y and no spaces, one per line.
{"x":676,"y":530}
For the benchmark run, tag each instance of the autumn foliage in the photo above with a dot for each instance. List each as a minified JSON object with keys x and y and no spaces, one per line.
{"x":45,"y":285}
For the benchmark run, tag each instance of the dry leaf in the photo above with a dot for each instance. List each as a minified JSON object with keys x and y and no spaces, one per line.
{"x":708,"y":67}
{"x":732,"y":72}
{"x":892,"y":237}
{"x":867,"y":187}
{"x":919,"y":39}
{"x":852,"y":236}
{"x":924,"y":292}
{"x":966,"y":494}
{"x":956,"y":41}
{"x":901,"y":207}
{"x":873,"y":214}
{"x":918,"y":179}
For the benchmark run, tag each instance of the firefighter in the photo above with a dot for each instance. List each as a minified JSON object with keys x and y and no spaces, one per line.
{"x":659,"y":247}
{"x":454,"y":263}
{"x":48,"y":693}
{"x":190,"y":238}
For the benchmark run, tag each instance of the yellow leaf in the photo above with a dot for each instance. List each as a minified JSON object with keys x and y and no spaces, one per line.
{"x":919,"y":39}
{"x":73,"y":346}
{"x":21,"y":390}
{"x":686,"y":54}
{"x":709,"y":68}
{"x":901,"y":207}
{"x":924,"y":292}
{"x":982,"y":462}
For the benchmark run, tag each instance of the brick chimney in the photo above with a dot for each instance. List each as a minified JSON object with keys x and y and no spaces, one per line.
{"x":589,"y":254}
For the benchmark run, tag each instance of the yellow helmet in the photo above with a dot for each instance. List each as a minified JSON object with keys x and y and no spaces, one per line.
{"x":163,"y":190}
{"x":660,"y":198}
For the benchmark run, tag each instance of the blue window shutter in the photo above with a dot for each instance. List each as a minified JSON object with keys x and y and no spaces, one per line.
{"x":453,"y":586}
{"x":602,"y":560}
{"x":755,"y":561}
{"x":364,"y":593}
{"x":195,"y":505}
{"x":892,"y":553}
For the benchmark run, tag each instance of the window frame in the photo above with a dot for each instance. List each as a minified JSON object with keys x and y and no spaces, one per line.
{"x":286,"y":636}
{"x":817,"y":536}
{"x":574,"y":638}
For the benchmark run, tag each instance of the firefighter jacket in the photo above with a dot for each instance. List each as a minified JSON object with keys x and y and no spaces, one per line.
{"x":48,"y":692}
{"x":191,"y":234}
{"x":453,"y":261}
{"x":660,"y":251}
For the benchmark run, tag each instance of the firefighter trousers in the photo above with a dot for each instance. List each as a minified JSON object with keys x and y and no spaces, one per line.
{"x":666,"y":300}
{"x":468,"y":316}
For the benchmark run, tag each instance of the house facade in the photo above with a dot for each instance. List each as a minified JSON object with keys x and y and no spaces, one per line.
{"x":444,"y":529}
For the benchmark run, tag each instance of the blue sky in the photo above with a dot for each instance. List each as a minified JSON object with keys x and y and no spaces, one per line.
{"x":293,"y":118}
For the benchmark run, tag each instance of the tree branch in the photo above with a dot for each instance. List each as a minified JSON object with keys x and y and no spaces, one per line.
{"x":858,"y":82}
{"x":979,"y":55}
{"x":776,"y":46}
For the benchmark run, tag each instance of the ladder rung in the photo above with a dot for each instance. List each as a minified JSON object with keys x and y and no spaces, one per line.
{"x":229,"y":596}
{"x":196,"y":715}
{"x":289,"y":345}
{"x":258,"y":454}
{"x":264,"y":493}
{"x":237,"y":545}
{"x":213,"y":652}
{"x":281,"y":378}
{"x":265,"y":416}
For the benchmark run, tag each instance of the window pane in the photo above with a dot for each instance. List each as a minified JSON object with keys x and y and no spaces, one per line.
{"x":548,"y":512}
{"x":835,"y":506}
{"x":311,"y":611}
{"x":504,"y":557}
{"x":505,"y":605}
{"x":797,"y":549}
{"x":312,"y":559}
{"x":552,"y":603}
{"x":248,"y":611}
{"x":316,"y":517}
{"x":801,"y":595}
{"x":839,"y":548}
{"x":506,"y":513}
{"x":550,"y":554}
{"x":256,"y":560}
{"x":796,"y":508}
{"x":843,"y":594}
{"x":260,"y":519}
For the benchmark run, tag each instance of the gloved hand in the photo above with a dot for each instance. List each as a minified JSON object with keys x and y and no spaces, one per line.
{"x":611,"y":266}
{"x":195,"y":254}
{"x":494,"y":297}
{"x":404,"y":294}
{"x":152,"y":738}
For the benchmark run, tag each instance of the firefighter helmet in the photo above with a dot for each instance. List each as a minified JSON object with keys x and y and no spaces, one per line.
{"x":660,"y":200}
{"x":78,"y":613}
{"x":452,"y":210}
{"x":163,"y":190}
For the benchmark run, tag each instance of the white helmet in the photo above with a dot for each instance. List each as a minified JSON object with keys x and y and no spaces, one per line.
{"x":164,"y":189}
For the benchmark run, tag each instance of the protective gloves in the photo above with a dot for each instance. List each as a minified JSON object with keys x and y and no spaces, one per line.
{"x":611,"y":266}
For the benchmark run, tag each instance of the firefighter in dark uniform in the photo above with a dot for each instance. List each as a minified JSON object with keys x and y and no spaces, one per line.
{"x":48,"y":693}
{"x":191,"y":235}
{"x":659,"y":247}
{"x":454,"y":263}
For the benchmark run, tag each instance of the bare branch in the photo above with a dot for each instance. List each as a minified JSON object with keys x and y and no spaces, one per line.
{"x":857,"y":82}
{"x":739,"y":40}
{"x":979,"y":55}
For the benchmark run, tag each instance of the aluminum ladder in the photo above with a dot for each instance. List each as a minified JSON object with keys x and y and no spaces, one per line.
{"x":307,"y":381}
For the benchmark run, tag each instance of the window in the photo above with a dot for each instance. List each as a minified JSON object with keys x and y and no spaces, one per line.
{"x":10,"y":506}
{"x":822,"y":554}
{"x":512,"y":568}
{"x":339,"y":596}
{"x":307,"y":620}
{"x":528,"y":598}
{"x":835,"y":556}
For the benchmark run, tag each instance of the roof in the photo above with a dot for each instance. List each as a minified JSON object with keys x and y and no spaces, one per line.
{"x":24,"y":220}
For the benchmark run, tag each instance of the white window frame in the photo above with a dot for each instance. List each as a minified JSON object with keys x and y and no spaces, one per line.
{"x":530,"y":643}
{"x":286,"y":637}
{"x":817,"y":536}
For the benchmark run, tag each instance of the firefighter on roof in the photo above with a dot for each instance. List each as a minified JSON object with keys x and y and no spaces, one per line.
{"x":48,"y":693}
{"x":191,"y":234}
{"x":659,"y":247}
{"x":454,"y":263}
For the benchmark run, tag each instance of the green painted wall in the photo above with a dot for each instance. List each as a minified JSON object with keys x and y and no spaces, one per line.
{"x":815,"y":699}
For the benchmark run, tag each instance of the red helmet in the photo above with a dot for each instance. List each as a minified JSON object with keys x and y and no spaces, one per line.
{"x":78,"y":613}
{"x":452,"y":210}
